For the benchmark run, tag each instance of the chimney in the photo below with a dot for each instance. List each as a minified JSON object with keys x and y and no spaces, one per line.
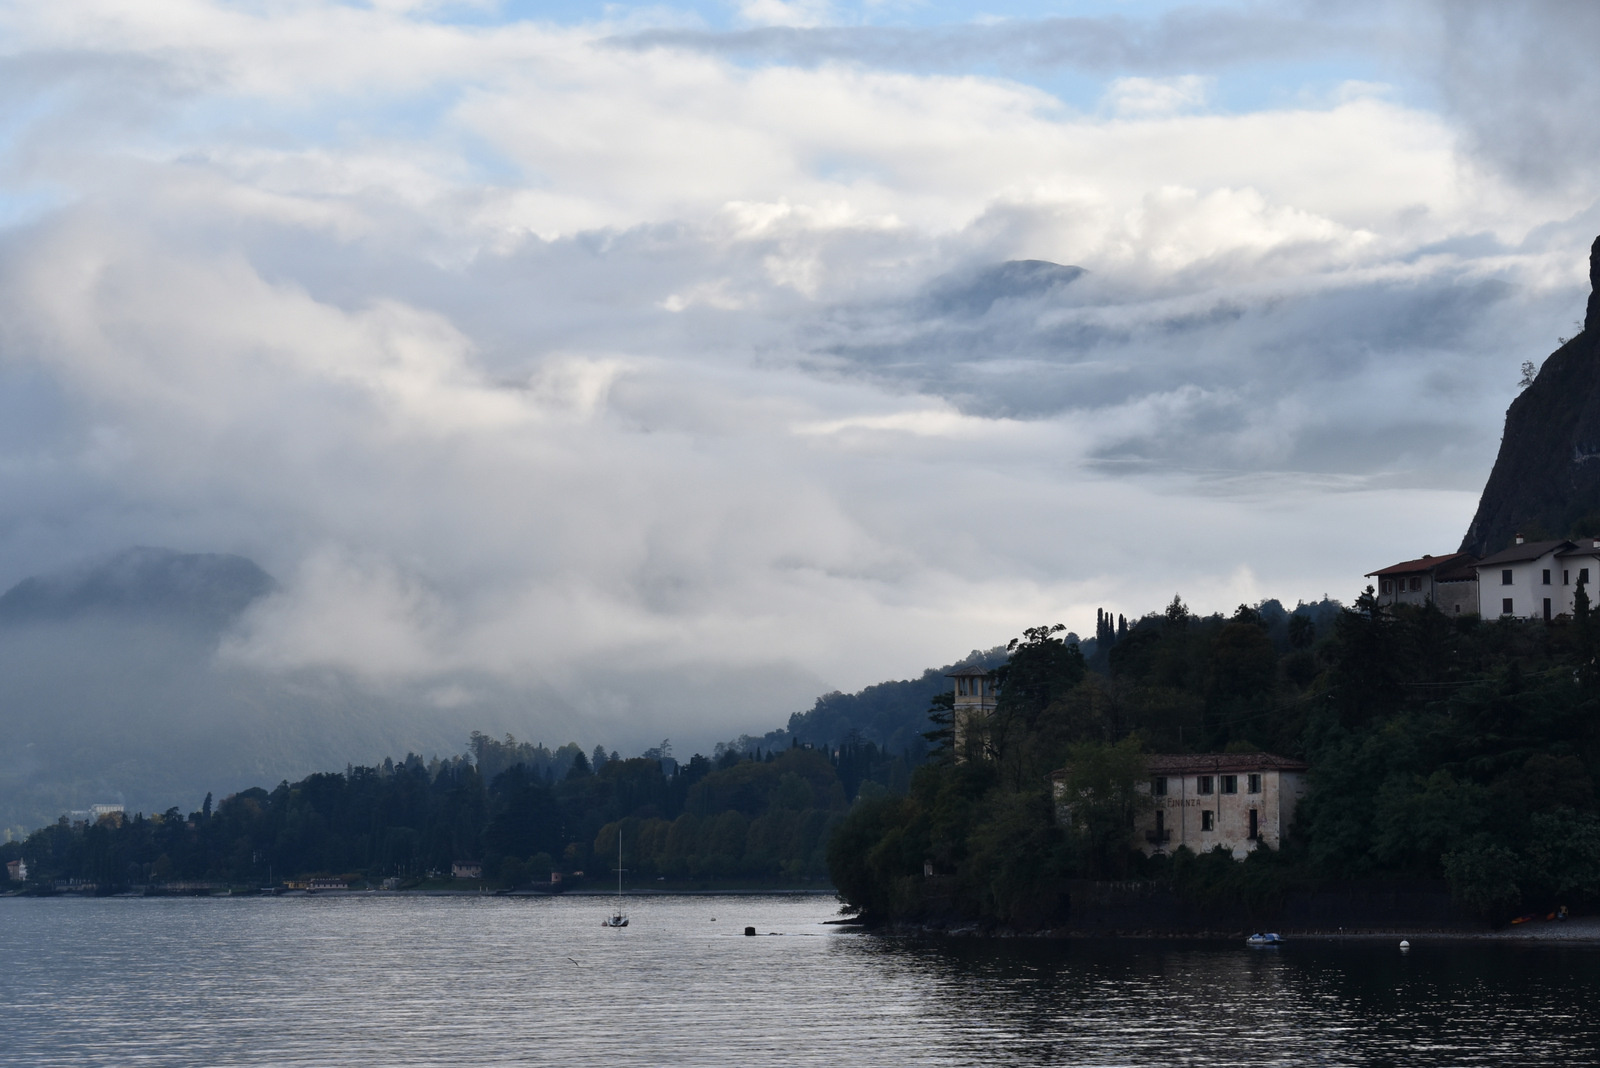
{"x":1519,"y":539}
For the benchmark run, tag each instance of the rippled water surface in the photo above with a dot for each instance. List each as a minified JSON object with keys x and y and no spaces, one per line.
{"x":474,"y":981}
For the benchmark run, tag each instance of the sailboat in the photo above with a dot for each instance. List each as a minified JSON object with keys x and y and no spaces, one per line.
{"x":618,"y":918}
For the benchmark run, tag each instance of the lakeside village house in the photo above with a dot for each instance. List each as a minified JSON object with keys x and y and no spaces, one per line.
{"x":1205,"y":800}
{"x":1202,"y":801}
{"x":1238,"y":801}
{"x":1529,"y":580}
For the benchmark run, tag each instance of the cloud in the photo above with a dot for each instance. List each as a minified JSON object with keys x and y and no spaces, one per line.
{"x":624,"y":385}
{"x":1517,"y":77}
{"x":785,"y":12}
{"x":1175,"y":42}
{"x":1150,"y":97}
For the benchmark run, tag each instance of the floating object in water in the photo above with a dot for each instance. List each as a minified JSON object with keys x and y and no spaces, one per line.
{"x":1404,"y":945}
{"x":749,"y":930}
{"x":1264,"y":940}
{"x":618,"y":918}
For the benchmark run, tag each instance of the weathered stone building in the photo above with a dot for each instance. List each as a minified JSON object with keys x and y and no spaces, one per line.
{"x":975,"y":697}
{"x":1235,"y":800}
{"x":1449,"y":582}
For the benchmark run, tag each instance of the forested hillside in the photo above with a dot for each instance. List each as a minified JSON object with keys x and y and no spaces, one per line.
{"x":1440,"y":748}
{"x":761,"y":817}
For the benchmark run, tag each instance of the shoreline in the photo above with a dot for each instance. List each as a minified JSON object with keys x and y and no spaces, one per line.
{"x":1578,"y":930}
{"x":434,"y":892}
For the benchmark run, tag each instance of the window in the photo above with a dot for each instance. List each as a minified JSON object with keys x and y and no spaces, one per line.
{"x":1583,"y":574}
{"x":1564,"y":574}
{"x":1230,"y":784}
{"x":1387,"y":586}
{"x":1208,"y":820}
{"x":1547,"y":576}
{"x":1505,"y":607}
{"x":1158,"y":786}
{"x":1203,"y":785}
{"x":1254,"y":826}
{"x":1253,"y":783}
{"x":1416,"y":584}
{"x":1505,"y":577}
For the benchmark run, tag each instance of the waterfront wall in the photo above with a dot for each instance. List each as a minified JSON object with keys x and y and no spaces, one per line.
{"x":1135,"y":907}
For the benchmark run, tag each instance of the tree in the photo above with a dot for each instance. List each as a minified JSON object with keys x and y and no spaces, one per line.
{"x":1041,"y":670}
{"x":1101,"y":798}
{"x":941,"y":713}
{"x":1302,"y":631}
{"x":1580,"y":602}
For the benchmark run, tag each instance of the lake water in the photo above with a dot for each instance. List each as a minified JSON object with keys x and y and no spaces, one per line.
{"x":490,"y":981}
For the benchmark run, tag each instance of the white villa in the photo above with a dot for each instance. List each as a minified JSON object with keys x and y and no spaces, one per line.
{"x":1530,"y":580}
{"x":1537,"y":579}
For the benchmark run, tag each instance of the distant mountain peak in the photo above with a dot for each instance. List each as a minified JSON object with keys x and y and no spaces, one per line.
{"x":207,"y":590}
{"x":973,"y":293}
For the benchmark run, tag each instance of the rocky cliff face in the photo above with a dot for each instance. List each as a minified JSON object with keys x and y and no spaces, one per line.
{"x":1546,"y":480}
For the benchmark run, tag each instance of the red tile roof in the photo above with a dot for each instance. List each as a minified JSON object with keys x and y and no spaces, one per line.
{"x":1426,"y":563}
{"x":1212,"y":763}
{"x":1192,"y":763}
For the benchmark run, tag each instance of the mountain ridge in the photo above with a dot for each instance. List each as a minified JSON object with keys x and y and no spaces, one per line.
{"x":1545,"y":482}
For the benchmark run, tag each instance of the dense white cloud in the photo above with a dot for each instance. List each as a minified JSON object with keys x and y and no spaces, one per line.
{"x":658,"y":384}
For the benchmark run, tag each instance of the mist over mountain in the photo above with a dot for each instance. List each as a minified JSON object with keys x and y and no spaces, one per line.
{"x":975,"y":293}
{"x":200,"y":591}
{"x":115,"y":686}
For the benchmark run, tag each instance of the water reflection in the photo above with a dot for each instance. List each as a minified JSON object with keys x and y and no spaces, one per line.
{"x":494,"y":981}
{"x":1109,"y":1002}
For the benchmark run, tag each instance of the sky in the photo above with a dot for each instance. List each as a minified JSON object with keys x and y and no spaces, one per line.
{"x":653,"y":361}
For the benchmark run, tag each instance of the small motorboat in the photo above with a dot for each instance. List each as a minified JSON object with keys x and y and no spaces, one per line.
{"x":616,"y":919}
{"x":1264,"y":940}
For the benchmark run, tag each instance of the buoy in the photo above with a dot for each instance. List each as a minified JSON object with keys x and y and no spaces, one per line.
{"x":1404,"y":945}
{"x":749,"y":930}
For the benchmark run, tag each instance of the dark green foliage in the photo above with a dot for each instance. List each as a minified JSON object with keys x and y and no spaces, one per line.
{"x":941,"y":713}
{"x":889,"y":715}
{"x":1441,"y":749}
{"x":1100,"y":799}
{"x":752,"y":820}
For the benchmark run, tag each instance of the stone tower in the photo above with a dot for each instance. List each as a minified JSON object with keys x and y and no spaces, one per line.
{"x":975,"y":700}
